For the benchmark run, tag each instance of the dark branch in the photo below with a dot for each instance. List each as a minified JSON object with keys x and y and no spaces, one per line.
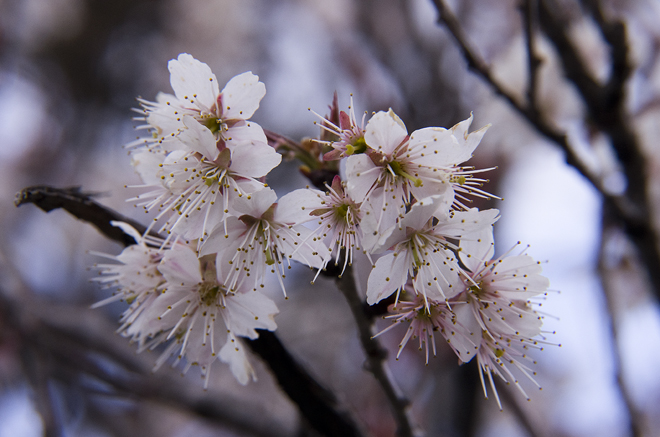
{"x":319,"y":406}
{"x":632,"y":210}
{"x":80,"y":205}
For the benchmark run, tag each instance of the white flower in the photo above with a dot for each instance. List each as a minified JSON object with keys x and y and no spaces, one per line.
{"x":424,"y":319}
{"x":338,"y":221}
{"x":200,"y":318}
{"x":396,"y":167}
{"x":264,"y":234}
{"x":136,"y":277}
{"x":197,"y":94}
{"x":198,"y":181}
{"x":498,"y":293}
{"x":421,"y":251}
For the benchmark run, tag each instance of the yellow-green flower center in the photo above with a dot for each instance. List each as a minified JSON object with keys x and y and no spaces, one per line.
{"x":358,"y":146}
{"x":398,"y":170}
{"x":208,"y":293}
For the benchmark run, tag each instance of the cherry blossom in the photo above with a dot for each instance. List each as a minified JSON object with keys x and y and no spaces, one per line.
{"x":263,"y":234}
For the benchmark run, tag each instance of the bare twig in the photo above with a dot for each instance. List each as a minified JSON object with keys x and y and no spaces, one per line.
{"x":478,"y":65}
{"x":376,"y":355}
{"x":631,"y":210}
{"x":605,"y":274}
{"x":607,"y":110}
{"x":80,"y":205}
{"x":534,"y":61}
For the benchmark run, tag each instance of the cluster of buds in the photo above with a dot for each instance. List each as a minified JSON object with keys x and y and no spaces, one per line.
{"x":399,"y":196}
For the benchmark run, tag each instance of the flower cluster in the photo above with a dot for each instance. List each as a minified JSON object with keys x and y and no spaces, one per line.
{"x":400,"y":199}
{"x":404,"y":197}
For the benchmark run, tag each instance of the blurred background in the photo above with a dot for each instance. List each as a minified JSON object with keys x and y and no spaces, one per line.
{"x":70,"y":71}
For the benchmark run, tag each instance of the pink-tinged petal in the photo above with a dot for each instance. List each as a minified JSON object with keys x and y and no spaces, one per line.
{"x":389,"y":274}
{"x":361,"y":174}
{"x":249,"y":311}
{"x":385,"y":131}
{"x":245,"y":131}
{"x":198,"y":138}
{"x":253,"y":160}
{"x":193,"y":81}
{"x":477,"y":248}
{"x":294,"y":207}
{"x":241,"y":96}
{"x":233,"y":353}
{"x":180,"y":266}
{"x":254,"y":204}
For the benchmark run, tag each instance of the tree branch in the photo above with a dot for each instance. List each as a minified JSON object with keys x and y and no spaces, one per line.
{"x":376,"y":356}
{"x":632,"y":210}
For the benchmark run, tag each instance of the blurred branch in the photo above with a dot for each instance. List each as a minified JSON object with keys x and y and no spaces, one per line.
{"x":530,"y":17}
{"x":318,"y":405}
{"x":608,"y":111}
{"x":376,"y":356}
{"x":477,"y":64}
{"x":605,"y":273}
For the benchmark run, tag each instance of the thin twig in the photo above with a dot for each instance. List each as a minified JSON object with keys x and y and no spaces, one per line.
{"x":376,"y":356}
{"x":633,"y":214}
{"x":605,"y":273}
{"x":606,"y":105}
{"x":80,"y":205}
{"x":534,"y":61}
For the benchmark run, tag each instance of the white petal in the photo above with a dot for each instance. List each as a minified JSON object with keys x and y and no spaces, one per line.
{"x":465,"y":222}
{"x":477,"y":248}
{"x":253,"y":160}
{"x":193,"y":80}
{"x":361,"y":174}
{"x":384,"y":132}
{"x":294,"y":207}
{"x":249,"y":311}
{"x":241,"y":96}
{"x":198,"y":138}
{"x":255,"y":204}
{"x":147,"y":165}
{"x":233,"y":353}
{"x":389,"y":274}
{"x":245,"y":132}
{"x":180,"y":265}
